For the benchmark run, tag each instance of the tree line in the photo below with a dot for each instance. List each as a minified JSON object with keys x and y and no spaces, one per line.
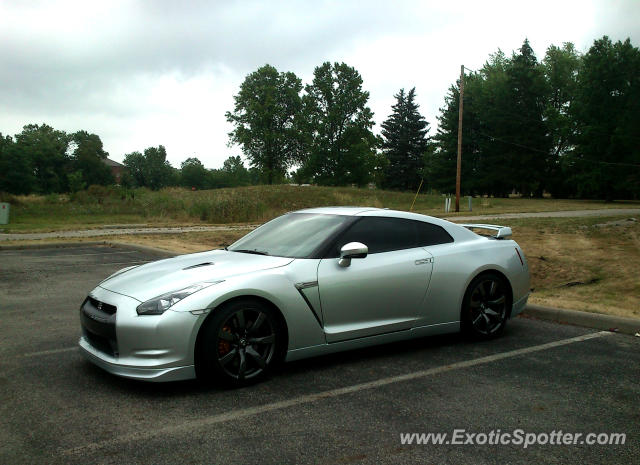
{"x":44,"y":160}
{"x":566,"y":125}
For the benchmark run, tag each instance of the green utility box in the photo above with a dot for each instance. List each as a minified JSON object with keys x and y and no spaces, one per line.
{"x":4,"y":213}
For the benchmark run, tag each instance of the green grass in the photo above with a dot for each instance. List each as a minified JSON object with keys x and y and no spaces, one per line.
{"x":253,"y":204}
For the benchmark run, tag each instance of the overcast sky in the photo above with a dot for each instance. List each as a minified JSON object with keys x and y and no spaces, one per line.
{"x":146,"y":73}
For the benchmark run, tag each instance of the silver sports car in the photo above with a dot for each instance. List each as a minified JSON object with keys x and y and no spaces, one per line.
{"x":306,"y":283}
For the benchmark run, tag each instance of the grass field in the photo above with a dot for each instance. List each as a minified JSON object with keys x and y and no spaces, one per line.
{"x":240,"y":205}
{"x":587,"y":264}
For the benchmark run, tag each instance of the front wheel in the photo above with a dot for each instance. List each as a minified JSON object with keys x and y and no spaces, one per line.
{"x":485,"y":306}
{"x":240,"y":344}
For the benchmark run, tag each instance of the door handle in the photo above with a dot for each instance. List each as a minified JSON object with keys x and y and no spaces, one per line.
{"x":424,"y":261}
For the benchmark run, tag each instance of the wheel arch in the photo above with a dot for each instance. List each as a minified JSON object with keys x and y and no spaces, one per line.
{"x":490,"y":270}
{"x":257,"y":298}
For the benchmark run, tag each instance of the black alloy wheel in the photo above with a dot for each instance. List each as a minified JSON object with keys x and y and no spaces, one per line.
{"x":485,"y":306}
{"x":240,"y":344}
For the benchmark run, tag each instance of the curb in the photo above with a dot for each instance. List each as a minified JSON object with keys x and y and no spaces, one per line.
{"x":616,"y":324}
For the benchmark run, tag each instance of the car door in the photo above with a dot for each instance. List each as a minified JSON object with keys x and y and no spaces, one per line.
{"x":437,"y":305}
{"x":380,"y":293}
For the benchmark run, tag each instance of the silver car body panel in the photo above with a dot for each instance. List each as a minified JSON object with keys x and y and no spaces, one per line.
{"x":150,"y":280}
{"x":380,"y":294}
{"x":382,"y":298}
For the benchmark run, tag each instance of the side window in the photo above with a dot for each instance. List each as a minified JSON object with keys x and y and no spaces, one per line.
{"x":431,"y":234}
{"x":380,"y":234}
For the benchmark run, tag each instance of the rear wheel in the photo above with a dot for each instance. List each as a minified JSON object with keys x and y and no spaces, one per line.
{"x":485,"y":306}
{"x":240,"y":344}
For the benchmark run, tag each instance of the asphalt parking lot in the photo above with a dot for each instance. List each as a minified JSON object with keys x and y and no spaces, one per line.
{"x":345,"y":408}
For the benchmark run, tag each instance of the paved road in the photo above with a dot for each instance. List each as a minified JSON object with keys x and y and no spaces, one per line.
{"x":112,"y":231}
{"x":117,"y":231}
{"x":556,"y":214}
{"x":340,"y":409}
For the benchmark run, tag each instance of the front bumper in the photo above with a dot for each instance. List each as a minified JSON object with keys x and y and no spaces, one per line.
{"x":126,"y":371}
{"x":147,"y":347}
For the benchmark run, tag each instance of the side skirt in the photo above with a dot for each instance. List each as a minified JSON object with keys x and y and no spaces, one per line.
{"x":422,"y":331}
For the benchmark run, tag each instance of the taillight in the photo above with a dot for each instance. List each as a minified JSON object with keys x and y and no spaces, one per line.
{"x":520,"y":257}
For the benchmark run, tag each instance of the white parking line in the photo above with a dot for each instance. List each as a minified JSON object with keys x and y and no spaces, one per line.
{"x":49,"y":352}
{"x":190,"y":425}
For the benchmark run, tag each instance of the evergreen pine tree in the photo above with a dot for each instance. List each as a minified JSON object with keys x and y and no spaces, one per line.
{"x":405,"y":142}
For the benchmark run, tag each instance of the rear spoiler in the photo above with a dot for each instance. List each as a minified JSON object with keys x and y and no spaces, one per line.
{"x":503,"y":232}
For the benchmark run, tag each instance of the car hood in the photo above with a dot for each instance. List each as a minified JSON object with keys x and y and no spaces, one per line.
{"x":153,"y":279}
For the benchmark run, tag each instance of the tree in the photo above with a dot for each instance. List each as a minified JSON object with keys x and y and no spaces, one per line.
{"x":560,"y":65}
{"x":340,"y":144}
{"x":405,"y":142}
{"x":76,"y":182}
{"x":16,"y":169}
{"x":528,"y":144}
{"x":135,"y":163}
{"x":45,"y":152}
{"x":236,"y":172}
{"x":490,"y":110}
{"x":483,"y":155}
{"x":567,"y":125}
{"x":607,"y":115}
{"x":440,"y":166}
{"x":504,"y":133}
{"x":150,"y":169}
{"x":87,"y":157}
{"x":194,"y":174}
{"x":265,"y":113}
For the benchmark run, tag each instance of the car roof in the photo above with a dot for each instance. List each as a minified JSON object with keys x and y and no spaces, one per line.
{"x":345,"y":211}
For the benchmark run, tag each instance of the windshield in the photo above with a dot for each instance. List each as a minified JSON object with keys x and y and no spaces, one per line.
{"x":295,"y":235}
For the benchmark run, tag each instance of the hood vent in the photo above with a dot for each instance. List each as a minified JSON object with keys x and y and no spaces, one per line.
{"x":199,"y":265}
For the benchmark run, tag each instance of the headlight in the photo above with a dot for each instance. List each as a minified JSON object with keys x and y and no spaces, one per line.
{"x":119,"y":272}
{"x":158,"y":305}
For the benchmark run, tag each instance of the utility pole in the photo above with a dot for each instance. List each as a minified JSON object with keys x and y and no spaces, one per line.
{"x":459,"y":164}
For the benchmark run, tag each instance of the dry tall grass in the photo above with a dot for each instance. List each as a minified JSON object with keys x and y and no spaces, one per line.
{"x":99,"y":206}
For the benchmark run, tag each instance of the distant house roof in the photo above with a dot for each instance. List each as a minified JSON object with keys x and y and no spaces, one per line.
{"x":110,"y":162}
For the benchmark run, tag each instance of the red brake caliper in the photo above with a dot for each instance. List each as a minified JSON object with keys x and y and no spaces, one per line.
{"x":223,"y":346}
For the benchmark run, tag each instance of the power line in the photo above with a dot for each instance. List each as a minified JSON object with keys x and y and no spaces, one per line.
{"x":610,"y":163}
{"x":512,"y":143}
{"x":633,"y":165}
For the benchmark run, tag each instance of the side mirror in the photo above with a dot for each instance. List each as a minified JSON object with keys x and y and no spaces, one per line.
{"x":352,"y":250}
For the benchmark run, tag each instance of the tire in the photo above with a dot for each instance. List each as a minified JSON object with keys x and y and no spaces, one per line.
{"x":486,"y":306}
{"x":240,"y":344}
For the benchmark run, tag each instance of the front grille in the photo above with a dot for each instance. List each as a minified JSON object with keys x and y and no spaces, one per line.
{"x":108,"y":346}
{"x":106,"y":308}
{"x":98,"y":320}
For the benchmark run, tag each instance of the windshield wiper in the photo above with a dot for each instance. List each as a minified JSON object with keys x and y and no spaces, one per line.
{"x":255,"y":252}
